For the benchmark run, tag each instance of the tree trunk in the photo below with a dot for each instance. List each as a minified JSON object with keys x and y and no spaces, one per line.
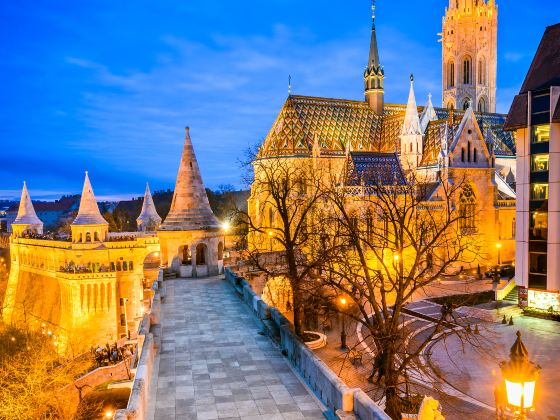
{"x":298,"y":321}
{"x":392,"y":398}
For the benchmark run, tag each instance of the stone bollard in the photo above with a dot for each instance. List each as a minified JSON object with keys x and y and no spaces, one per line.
{"x":511,"y":320}
{"x":476,"y":330}
{"x":468,"y":329}
{"x":504,"y":320}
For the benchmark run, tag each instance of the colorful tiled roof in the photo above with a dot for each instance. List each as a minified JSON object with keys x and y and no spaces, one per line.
{"x":335,"y":122}
{"x":374,"y":169}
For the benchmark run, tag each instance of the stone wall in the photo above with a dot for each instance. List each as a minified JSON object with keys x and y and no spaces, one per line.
{"x":137,"y":408}
{"x":332,"y":391}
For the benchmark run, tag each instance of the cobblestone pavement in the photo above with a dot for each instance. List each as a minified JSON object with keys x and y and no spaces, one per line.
{"x":214,"y":364}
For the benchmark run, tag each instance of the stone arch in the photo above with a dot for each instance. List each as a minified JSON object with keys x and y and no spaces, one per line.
{"x":185,"y":256}
{"x":201,"y":254}
{"x":481,"y":105}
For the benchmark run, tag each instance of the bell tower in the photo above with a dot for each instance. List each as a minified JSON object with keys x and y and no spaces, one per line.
{"x":469,"y":54}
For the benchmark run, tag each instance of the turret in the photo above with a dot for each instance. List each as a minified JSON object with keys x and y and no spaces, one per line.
{"x":411,"y":133}
{"x":89,"y":226}
{"x":26,"y":220}
{"x":149,"y":219}
{"x":374,"y":74}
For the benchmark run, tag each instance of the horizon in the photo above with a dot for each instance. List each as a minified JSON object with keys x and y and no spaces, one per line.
{"x":87,"y":89}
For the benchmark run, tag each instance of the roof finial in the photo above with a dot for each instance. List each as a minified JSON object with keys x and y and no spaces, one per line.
{"x":289,"y":84}
{"x":430,"y":96}
{"x":411,"y":78}
{"x":373,"y":10}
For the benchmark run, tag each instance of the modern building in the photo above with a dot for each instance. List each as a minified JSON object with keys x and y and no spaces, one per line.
{"x":437,"y":144}
{"x":535,"y":117}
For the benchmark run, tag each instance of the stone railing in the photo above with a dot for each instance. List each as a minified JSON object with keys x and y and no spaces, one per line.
{"x":137,"y":407}
{"x":332,"y":391}
{"x":501,"y":293}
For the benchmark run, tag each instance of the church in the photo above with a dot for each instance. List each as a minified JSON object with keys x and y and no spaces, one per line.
{"x":463,"y":139}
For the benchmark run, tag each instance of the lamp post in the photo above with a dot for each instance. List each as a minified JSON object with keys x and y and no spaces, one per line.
{"x":499,"y":246}
{"x":520,"y":377}
{"x":343,"y":346}
{"x":225,"y":227}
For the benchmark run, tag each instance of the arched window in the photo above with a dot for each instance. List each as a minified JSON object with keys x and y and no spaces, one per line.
{"x":88,"y":237}
{"x":186,"y":257}
{"x":96,"y":236}
{"x":481,"y":105}
{"x":450,"y":74}
{"x":462,"y":154}
{"x":130,"y":265}
{"x":466,"y":104}
{"x":112,"y":266}
{"x":119,"y":268}
{"x":125,"y":266}
{"x":474,"y":155}
{"x":201,"y":254}
{"x":467,"y":208}
{"x":467,"y":70}
{"x":81,"y":237}
{"x":469,"y":151}
{"x":481,"y":71}
{"x":220,"y":251}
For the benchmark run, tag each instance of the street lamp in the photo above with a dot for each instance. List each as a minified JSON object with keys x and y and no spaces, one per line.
{"x":499,"y":247}
{"x":520,"y":377}
{"x":225,"y":227}
{"x":343,"y":303}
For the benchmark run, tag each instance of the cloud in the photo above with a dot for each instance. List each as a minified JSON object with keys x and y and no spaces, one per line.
{"x":514,"y":57}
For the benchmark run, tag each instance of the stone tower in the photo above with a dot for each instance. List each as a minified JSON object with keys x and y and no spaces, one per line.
{"x":469,"y":54}
{"x":190,"y":237}
{"x":89,"y":226}
{"x":374,"y":74}
{"x":149,"y":219}
{"x":26,"y":219}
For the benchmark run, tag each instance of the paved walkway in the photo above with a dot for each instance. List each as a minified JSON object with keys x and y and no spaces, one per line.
{"x":214,"y":364}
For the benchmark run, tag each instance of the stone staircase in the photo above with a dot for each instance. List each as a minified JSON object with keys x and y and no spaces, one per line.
{"x":513,"y":296}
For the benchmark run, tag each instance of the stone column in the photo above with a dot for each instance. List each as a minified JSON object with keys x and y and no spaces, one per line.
{"x":553,"y":247}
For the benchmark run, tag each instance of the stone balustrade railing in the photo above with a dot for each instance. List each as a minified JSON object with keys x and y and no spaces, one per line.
{"x":332,"y":391}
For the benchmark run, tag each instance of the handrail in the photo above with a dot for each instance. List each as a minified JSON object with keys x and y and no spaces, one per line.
{"x":504,"y":291}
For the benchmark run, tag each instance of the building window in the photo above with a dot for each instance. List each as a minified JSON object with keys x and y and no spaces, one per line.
{"x":481,"y":105}
{"x":462,"y":154}
{"x":539,"y":163}
{"x":481,"y":71}
{"x":469,"y":151}
{"x":125,"y":266}
{"x":201,"y":254}
{"x":541,"y":134}
{"x":537,"y":263}
{"x":467,"y":66}
{"x":538,"y":223}
{"x":474,"y":155}
{"x":513,"y":228}
{"x":450,"y":75}
{"x":466,"y":104}
{"x":539,"y":191}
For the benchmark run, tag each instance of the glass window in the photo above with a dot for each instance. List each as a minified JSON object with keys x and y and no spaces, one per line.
{"x":538,"y":225}
{"x":541,"y":134}
{"x":539,"y":163}
{"x":539,"y":191}
{"x":537,"y":263}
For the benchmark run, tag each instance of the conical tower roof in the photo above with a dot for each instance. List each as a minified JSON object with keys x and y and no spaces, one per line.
{"x":190,"y":209}
{"x":26,"y":213}
{"x":428,"y":114}
{"x":148,"y":214}
{"x":88,"y":213}
{"x":411,"y":123}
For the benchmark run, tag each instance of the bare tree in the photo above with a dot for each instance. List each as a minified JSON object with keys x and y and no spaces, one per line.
{"x":392,"y":243}
{"x":283,"y":228}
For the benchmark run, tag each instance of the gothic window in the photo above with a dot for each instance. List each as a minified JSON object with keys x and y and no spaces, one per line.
{"x":450,"y":74}
{"x":112,"y":266}
{"x":474,"y":155}
{"x":462,"y":154}
{"x":119,"y":266}
{"x":125,"y":266}
{"x":130,"y":265}
{"x":467,"y":208}
{"x":469,"y":151}
{"x":467,"y":69}
{"x":481,"y":71}
{"x":466,"y":104}
{"x":481,"y":105}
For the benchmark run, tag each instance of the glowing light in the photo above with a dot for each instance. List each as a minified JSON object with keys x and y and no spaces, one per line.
{"x":343,"y":301}
{"x":109,"y":414}
{"x":225,"y":226}
{"x":13,"y":338}
{"x":270,"y":233}
{"x":396,"y":257}
{"x":498,"y":245}
{"x":520,"y":390}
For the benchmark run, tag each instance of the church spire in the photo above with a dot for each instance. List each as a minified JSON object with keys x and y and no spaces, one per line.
{"x":149,"y":218}
{"x":88,"y":213}
{"x":428,"y":114}
{"x":411,"y":123}
{"x":374,"y":74}
{"x":26,"y":213}
{"x":190,"y":209}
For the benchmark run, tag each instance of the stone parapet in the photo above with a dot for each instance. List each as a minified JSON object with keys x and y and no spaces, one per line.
{"x":332,"y":391}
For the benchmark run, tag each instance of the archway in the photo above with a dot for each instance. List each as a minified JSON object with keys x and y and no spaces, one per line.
{"x":201,"y":257}
{"x":151,"y":265}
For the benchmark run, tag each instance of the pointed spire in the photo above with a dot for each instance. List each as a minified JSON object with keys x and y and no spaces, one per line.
{"x":26,"y":213}
{"x":373,"y":61}
{"x":428,"y":114}
{"x":149,"y":218}
{"x":411,"y":123}
{"x":190,"y":209}
{"x":88,"y":213}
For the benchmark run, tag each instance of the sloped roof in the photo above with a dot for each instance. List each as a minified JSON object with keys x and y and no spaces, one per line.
{"x":26,"y":214}
{"x":148,"y":214}
{"x":88,"y":213}
{"x":371,"y":169}
{"x":336,"y":121}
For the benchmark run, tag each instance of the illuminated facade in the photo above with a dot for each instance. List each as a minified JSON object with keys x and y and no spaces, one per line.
{"x":92,"y":287}
{"x":535,"y":117}
{"x":436,"y":144}
{"x":469,"y":40}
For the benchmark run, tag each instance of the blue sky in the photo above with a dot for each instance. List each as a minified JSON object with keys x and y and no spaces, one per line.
{"x":109,"y":86}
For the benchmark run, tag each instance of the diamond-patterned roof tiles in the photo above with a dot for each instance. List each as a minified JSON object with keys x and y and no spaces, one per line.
{"x":336,"y":121}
